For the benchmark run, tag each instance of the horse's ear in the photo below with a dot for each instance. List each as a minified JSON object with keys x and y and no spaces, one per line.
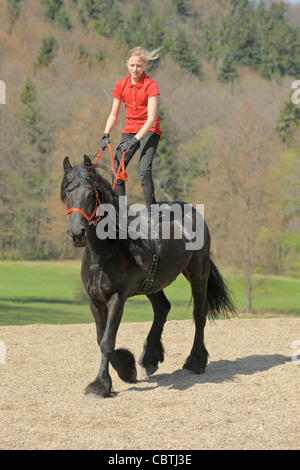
{"x":87,"y":161}
{"x":67,"y":165}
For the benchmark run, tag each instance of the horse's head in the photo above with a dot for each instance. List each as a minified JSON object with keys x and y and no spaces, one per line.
{"x":78,"y":191}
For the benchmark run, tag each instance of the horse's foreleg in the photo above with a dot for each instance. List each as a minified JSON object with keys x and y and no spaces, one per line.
{"x":106,"y":337}
{"x":153,"y":351}
{"x":99,"y":312}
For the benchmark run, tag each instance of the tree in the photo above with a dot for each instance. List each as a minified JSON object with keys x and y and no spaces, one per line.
{"x":105,"y":14}
{"x":29,"y":179}
{"x":227,"y":68}
{"x":183,"y":54}
{"x":255,"y":35}
{"x":47,"y":51}
{"x":281,"y":230}
{"x":181,"y":7}
{"x":288,"y":121}
{"x":14,"y":8}
{"x":136,"y":30}
{"x":55,"y":11}
{"x":157,"y":33}
{"x":235,"y":190}
{"x":28,"y":115}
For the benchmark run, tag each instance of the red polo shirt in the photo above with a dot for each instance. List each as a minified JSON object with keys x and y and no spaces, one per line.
{"x":135,"y":97}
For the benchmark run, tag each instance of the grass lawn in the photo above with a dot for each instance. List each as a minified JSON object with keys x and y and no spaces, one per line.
{"x":51,"y":292}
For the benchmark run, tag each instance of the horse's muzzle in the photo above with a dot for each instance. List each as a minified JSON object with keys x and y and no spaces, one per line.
{"x":78,"y":238}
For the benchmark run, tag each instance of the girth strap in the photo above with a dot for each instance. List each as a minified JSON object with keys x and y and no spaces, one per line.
{"x":147,"y":283}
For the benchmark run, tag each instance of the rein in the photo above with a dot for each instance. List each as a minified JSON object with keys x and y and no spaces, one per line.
{"x":120,"y":175}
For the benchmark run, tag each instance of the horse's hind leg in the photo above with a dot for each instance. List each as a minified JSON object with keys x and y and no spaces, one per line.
{"x":197,"y":275}
{"x":153,"y":351}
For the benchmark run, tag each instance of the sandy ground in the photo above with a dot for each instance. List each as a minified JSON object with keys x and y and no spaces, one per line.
{"x":247,"y":399}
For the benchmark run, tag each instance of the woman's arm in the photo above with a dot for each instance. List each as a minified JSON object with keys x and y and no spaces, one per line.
{"x":152,"y":112}
{"x":112,"y":118}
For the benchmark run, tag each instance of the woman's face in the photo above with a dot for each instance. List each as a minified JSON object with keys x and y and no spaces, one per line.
{"x":136,"y":67}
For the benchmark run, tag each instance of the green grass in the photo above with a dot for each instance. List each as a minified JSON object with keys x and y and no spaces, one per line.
{"x":51,"y":292}
{"x":277,"y":294}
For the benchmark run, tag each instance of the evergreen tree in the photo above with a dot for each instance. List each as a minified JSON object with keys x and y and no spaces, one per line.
{"x":31,"y":176}
{"x":157,"y":32}
{"x":255,"y":35}
{"x":110,"y":21}
{"x":227,"y":69}
{"x":28,"y":114}
{"x":14,"y":8}
{"x":62,"y":19}
{"x":136,"y":30}
{"x":242,"y":33}
{"x":288,"y":121}
{"x":56,"y":12}
{"x":28,"y":94}
{"x":181,"y":7}
{"x":93,"y":7}
{"x":47,"y":51}
{"x":184,"y":56}
{"x":210,"y":39}
{"x":105,"y":14}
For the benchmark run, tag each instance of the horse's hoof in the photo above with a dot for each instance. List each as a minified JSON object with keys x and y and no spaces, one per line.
{"x":97,"y":390}
{"x":148,"y":370}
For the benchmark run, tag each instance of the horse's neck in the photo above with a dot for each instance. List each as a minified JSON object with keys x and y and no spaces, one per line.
{"x":95,"y":248}
{"x":98,"y":250}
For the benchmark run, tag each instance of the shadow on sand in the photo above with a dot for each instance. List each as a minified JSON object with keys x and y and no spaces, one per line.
{"x":216,"y":372}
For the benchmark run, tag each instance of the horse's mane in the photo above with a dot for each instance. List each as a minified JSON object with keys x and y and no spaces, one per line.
{"x":89,"y":176}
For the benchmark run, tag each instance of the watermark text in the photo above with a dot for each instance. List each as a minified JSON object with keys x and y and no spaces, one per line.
{"x":165,"y":221}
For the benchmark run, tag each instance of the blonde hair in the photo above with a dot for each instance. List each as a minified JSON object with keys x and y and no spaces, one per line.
{"x":143,"y":54}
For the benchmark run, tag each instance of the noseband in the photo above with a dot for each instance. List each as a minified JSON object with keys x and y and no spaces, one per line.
{"x":92,"y":219}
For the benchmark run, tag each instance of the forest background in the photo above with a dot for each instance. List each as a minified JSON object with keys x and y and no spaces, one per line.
{"x":231,"y":132}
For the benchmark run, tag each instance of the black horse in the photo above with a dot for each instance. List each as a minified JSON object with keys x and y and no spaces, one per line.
{"x":117,"y":267}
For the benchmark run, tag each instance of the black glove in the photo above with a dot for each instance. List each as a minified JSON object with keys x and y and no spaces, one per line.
{"x":129,"y":145}
{"x":105,"y":138}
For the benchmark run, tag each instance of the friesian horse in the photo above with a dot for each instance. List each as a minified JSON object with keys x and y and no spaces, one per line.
{"x":116,"y":267}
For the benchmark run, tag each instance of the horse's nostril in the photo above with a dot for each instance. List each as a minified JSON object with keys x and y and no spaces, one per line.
{"x":77,"y":235}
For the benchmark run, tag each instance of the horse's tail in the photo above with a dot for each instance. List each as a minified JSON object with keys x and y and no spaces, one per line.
{"x":218,"y":296}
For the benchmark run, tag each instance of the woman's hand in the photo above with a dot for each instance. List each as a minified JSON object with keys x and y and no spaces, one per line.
{"x":129,"y":146}
{"x":103,"y":141}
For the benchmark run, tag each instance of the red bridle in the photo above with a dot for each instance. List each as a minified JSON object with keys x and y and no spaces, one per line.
{"x":121,"y":174}
{"x":91,"y":219}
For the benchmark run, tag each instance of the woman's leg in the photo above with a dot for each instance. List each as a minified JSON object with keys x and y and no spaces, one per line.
{"x":120,"y":184}
{"x":149,"y":145}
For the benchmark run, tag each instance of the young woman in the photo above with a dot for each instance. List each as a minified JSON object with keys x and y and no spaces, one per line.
{"x":139,"y":93}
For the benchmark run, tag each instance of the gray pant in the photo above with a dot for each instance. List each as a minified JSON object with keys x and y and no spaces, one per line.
{"x":148,"y":145}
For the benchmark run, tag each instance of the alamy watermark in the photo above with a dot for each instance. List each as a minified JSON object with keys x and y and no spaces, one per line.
{"x":2,"y":92}
{"x":296,"y":94}
{"x":176,"y":221}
